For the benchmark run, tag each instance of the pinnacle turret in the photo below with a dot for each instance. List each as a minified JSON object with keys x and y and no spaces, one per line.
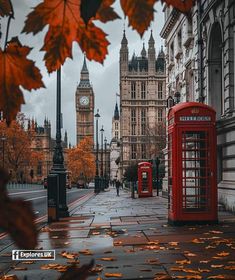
{"x":116,"y":112}
{"x":84,"y":77}
{"x":143,"y":52}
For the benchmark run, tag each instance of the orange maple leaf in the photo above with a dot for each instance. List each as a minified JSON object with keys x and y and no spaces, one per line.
{"x":183,"y":6}
{"x":5,"y":8}
{"x":139,"y":12}
{"x":16,"y":70}
{"x":106,"y":12}
{"x":65,"y":27}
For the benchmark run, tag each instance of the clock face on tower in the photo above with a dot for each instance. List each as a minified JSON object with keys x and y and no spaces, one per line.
{"x":84,"y":100}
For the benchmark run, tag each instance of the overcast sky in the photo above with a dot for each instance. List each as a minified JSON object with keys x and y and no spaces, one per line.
{"x":104,"y":78}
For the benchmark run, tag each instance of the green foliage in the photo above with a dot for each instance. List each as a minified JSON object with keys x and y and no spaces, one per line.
{"x":131,"y":173}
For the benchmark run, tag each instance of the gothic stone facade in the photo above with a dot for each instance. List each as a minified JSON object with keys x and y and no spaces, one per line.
{"x":84,"y":106}
{"x":115,"y":147}
{"x":142,"y":102}
{"x":213,"y":30}
{"x":45,"y":144}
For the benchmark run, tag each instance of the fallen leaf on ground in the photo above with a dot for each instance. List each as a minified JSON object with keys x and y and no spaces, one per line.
{"x":73,"y":261}
{"x":111,"y":259}
{"x":217,"y":265}
{"x":28,"y":262}
{"x":173,"y":243}
{"x":54,"y":266}
{"x":216,"y":231}
{"x":197,"y":241}
{"x":229,"y":267}
{"x":153,"y":261}
{"x":115,"y":275}
{"x":188,"y":277}
{"x":190,"y":255}
{"x":216,"y":277}
{"x":117,"y":243}
{"x":68,"y":255}
{"x":204,"y":261}
{"x":183,"y":262}
{"x":97,"y":268}
{"x":9,"y":277}
{"x":203,"y":270}
{"x":86,"y":252}
{"x":20,"y":268}
{"x":223,"y":254}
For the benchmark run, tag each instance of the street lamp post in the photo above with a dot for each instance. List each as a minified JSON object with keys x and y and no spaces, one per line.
{"x":105,"y":163}
{"x":58,"y":158}
{"x":97,"y":187}
{"x":102,"y":162}
{"x":157,"y":161}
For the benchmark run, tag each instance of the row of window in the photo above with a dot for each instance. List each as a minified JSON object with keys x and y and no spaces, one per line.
{"x":143,"y":90}
{"x":143,"y":115}
{"x":143,"y":154}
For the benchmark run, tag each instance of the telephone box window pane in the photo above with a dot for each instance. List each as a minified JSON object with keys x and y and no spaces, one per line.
{"x":144,"y":181}
{"x":195,"y":171}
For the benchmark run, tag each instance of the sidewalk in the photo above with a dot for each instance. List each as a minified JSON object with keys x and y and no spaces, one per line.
{"x":130,"y":239}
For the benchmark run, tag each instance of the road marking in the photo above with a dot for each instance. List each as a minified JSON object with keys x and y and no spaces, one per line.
{"x":28,"y":192}
{"x":40,"y":219}
{"x":19,"y":193}
{"x":35,"y":198}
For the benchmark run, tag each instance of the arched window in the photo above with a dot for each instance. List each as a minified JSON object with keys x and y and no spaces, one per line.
{"x":215,"y":89}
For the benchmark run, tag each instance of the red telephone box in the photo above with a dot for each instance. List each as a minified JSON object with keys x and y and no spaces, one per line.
{"x":192,"y":180}
{"x":145,"y":179}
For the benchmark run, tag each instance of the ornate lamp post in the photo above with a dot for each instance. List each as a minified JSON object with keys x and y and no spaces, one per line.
{"x":105,"y":163}
{"x":157,"y":162}
{"x":97,"y":186}
{"x":58,"y":158}
{"x":102,"y":162}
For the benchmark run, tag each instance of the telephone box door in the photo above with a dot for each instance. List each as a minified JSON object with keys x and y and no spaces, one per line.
{"x":197,"y":176}
{"x":145,"y":179}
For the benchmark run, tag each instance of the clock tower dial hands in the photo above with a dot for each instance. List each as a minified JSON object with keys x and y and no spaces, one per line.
{"x":84,"y":100}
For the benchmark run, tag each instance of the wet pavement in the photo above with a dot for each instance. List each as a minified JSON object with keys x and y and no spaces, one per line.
{"x":130,"y":239}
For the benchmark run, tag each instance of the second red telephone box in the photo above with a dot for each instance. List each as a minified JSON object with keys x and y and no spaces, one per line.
{"x":192,"y":186}
{"x":145,"y":185}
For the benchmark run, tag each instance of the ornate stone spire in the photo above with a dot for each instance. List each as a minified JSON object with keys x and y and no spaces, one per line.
{"x":143,"y":52}
{"x":116,"y":112}
{"x":124,"y":39}
{"x":84,"y":77}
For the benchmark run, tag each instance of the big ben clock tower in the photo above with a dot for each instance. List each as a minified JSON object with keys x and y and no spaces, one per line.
{"x":84,"y":106}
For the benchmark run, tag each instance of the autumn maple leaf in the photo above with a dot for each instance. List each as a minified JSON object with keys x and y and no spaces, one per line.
{"x":139,"y":12}
{"x":16,"y":70}
{"x":5,"y":8}
{"x":182,"y":6}
{"x":65,"y":27}
{"x":105,"y":12}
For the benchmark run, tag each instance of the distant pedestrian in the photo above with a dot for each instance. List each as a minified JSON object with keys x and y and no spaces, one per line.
{"x":117,"y":184}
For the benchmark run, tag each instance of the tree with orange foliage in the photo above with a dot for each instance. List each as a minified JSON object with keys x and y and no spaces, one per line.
{"x":81,"y":161}
{"x":18,"y":156}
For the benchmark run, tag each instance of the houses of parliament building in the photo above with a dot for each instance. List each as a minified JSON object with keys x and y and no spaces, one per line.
{"x":142,"y":103}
